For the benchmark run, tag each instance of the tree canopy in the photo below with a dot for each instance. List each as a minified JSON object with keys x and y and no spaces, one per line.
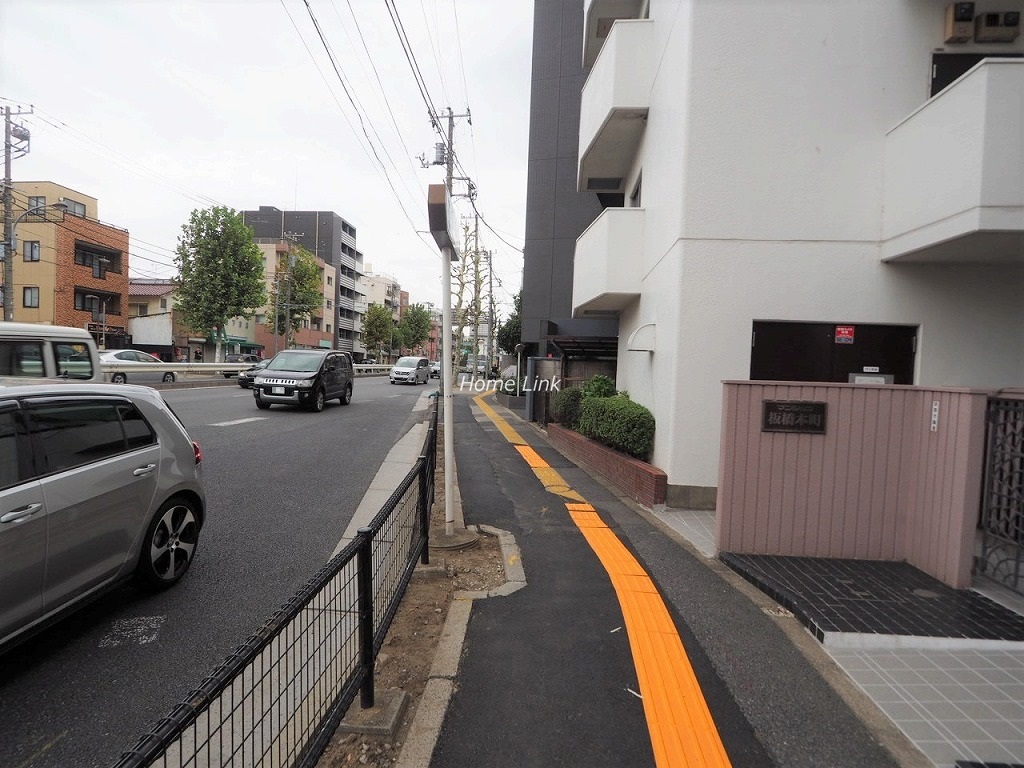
{"x":378,"y":327}
{"x":298,"y":292}
{"x":415,"y":326}
{"x":511,"y":331}
{"x":220,"y":271}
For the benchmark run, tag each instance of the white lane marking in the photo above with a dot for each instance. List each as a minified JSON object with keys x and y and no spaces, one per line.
{"x":238,"y":421}
{"x":138,"y":631}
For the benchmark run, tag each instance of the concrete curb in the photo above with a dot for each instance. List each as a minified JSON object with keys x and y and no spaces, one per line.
{"x":433,"y":704}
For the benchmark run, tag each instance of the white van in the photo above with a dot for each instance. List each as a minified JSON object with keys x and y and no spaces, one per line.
{"x":28,"y":350}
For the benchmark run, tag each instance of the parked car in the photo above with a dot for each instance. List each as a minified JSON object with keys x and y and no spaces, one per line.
{"x":308,"y":377}
{"x":34,"y":351}
{"x":435,"y":369}
{"x":140,"y":367}
{"x":248,"y":376}
{"x":410,"y":370}
{"x":98,"y":483}
{"x":234,"y":358}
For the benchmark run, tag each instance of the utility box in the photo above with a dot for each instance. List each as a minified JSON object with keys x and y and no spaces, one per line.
{"x":999,"y":27}
{"x":959,"y":22}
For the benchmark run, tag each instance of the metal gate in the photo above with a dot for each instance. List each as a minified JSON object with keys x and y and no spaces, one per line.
{"x":1002,"y":503}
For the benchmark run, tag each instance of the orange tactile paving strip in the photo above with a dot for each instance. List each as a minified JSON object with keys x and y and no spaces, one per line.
{"x":683,"y":733}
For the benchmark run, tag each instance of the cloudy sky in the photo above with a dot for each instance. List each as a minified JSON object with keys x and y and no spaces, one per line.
{"x":158,"y":107}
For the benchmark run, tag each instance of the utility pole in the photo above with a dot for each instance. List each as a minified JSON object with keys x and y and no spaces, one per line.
{"x":476,"y":295}
{"x":490,"y":301}
{"x":12,"y":133}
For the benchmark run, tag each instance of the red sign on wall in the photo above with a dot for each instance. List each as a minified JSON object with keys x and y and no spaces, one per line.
{"x":844,"y":334}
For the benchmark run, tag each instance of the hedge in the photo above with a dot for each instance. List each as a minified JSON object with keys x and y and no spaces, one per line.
{"x":618,"y":423}
{"x":565,"y":407}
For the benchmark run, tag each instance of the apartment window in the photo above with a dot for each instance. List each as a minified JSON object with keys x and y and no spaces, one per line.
{"x":30,"y":250}
{"x":30,"y":296}
{"x":99,"y":262}
{"x":328,"y":327}
{"x":330,"y":280}
{"x":36,"y":201}
{"x":163,"y":303}
{"x":75,"y":208}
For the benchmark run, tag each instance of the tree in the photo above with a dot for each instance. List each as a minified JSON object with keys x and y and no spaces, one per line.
{"x":511,"y":331}
{"x":415,"y":326}
{"x":297,"y":294}
{"x":220,"y":272}
{"x":378,"y":327}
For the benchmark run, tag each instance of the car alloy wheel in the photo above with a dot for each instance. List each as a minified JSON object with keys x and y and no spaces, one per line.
{"x":170,"y":544}
{"x":119,"y":378}
{"x":319,"y":399}
{"x":168,"y":378}
{"x":346,"y":398}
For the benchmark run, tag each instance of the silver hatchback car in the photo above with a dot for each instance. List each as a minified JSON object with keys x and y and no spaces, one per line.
{"x":98,"y":483}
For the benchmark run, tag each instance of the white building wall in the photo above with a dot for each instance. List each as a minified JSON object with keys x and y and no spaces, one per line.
{"x":762,"y":168}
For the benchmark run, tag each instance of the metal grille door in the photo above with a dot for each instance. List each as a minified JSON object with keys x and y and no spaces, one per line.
{"x":1002,"y":511}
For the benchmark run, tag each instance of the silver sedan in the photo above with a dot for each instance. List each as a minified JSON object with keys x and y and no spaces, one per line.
{"x":139,"y":367}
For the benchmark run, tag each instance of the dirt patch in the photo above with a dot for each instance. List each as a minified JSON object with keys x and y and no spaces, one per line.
{"x":408,"y":650}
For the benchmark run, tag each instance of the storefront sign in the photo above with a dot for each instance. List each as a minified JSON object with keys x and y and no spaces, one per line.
{"x":793,"y":416}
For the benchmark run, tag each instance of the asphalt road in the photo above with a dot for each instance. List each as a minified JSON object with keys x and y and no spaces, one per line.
{"x":281,"y":487}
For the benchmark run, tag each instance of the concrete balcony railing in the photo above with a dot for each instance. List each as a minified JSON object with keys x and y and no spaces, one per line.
{"x":614,"y":106}
{"x":954,"y":190}
{"x":606,"y":269}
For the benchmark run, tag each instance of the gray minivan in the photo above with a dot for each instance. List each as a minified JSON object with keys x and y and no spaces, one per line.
{"x":35,"y":351}
{"x":307,"y":377}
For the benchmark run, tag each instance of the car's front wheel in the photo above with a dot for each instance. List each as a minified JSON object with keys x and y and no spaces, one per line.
{"x":319,"y":399}
{"x":119,"y":378}
{"x":260,"y":402}
{"x":169,"y":545}
{"x":346,"y":397}
{"x":168,"y":378}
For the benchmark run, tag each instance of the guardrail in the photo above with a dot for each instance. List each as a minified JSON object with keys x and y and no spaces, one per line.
{"x":214,"y":369}
{"x":279,"y":696}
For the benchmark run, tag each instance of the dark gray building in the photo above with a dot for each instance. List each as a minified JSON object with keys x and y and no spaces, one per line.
{"x":328,"y":236}
{"x":556,"y":214}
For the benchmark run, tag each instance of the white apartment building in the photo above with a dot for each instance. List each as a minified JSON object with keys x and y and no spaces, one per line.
{"x":799,"y":190}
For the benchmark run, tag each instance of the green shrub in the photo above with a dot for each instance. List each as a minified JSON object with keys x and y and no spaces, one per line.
{"x":599,"y":385}
{"x":618,"y":423}
{"x":565,"y":406}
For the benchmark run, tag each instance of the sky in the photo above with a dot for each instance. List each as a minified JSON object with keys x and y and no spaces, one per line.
{"x":160,"y":107}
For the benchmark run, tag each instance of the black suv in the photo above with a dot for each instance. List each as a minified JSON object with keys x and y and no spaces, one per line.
{"x":308,"y":377}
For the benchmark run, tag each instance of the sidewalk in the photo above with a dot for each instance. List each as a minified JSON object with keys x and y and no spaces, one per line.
{"x":558,"y":672}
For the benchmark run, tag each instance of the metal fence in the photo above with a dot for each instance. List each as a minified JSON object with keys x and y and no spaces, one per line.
{"x":277,"y":699}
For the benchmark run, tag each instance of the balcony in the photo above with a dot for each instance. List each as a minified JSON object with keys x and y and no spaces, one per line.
{"x":606,"y":271}
{"x":599,"y":18}
{"x":953,"y":190}
{"x":614,"y":105}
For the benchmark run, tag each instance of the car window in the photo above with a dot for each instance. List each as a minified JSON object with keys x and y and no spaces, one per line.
{"x":289,"y":361}
{"x":407,"y":362}
{"x":8,"y":449}
{"x":71,"y":434}
{"x":137,"y":431}
{"x":73,"y":360}
{"x":21,"y":358}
